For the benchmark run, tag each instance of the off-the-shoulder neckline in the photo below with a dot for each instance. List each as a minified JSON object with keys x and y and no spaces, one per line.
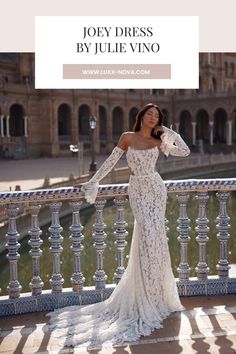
{"x":154,"y":147}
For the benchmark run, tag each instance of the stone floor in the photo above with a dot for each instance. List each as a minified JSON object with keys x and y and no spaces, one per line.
{"x":208,"y":325}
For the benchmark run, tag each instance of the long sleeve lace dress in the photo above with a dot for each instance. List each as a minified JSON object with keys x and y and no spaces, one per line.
{"x":147,"y":292}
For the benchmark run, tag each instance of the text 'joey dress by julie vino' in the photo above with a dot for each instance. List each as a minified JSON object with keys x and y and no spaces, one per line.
{"x":147,"y":292}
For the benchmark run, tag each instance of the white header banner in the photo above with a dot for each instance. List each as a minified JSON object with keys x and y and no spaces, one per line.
{"x":116,"y":52}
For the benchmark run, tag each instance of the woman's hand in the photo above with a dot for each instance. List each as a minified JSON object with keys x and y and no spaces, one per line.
{"x":158,"y":128}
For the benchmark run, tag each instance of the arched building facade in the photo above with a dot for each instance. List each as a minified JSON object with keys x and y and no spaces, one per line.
{"x":36,"y":123}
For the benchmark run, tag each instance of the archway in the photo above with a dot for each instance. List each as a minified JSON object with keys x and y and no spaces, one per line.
{"x":64,"y":121}
{"x":117,"y":123}
{"x":185,"y":126}
{"x":83,"y":122}
{"x":202,"y":127}
{"x":16,"y":122}
{"x":220,"y":119}
{"x":102,"y":126}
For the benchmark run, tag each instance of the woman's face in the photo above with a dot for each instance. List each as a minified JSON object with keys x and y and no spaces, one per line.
{"x":150,"y":118}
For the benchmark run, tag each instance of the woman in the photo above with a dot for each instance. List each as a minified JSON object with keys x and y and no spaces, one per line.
{"x":147,"y":292}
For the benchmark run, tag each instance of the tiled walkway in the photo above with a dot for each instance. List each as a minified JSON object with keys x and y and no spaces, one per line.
{"x":208,"y":325}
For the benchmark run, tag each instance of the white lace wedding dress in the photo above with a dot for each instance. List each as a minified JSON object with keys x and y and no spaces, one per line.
{"x":147,"y":292}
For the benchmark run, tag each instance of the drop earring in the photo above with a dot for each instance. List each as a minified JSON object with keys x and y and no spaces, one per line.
{"x":141,"y":124}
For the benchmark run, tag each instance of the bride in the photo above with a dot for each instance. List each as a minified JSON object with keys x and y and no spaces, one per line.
{"x":147,"y":292}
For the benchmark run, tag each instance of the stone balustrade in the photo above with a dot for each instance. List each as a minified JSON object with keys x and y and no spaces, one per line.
{"x":79,"y":293}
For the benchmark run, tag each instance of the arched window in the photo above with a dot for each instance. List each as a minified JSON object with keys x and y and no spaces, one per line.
{"x":16,"y":123}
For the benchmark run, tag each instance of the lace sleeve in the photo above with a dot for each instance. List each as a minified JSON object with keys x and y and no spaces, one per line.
{"x":90,"y":188}
{"x":173,"y":144}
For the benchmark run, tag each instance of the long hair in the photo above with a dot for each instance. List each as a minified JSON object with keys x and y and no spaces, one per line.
{"x":139,"y":116}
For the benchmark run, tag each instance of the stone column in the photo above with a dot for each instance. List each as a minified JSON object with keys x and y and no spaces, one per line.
{"x":2,"y":126}
{"x":26,"y":126}
{"x":126,"y":120}
{"x":74,"y":122}
{"x":229,"y":132}
{"x":211,"y":124}
{"x":194,"y":133}
{"x":8,"y":128}
{"x":110,"y":143}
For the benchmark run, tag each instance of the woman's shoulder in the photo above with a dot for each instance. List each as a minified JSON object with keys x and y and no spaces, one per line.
{"x":124,"y":140}
{"x":128,"y":133}
{"x":126,"y":136}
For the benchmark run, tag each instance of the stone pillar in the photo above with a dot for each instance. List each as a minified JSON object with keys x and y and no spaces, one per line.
{"x":183,"y":238}
{"x":35,"y":242}
{"x":202,"y":229}
{"x":77,"y":279}
{"x":74,"y":123}
{"x":26,"y":126}
{"x":56,"y":239}
{"x":223,"y":235}
{"x":194,"y":133}
{"x":99,"y":236}
{"x":110,"y":143}
{"x":120,"y":234}
{"x":126,"y":120}
{"x":211,"y":124}
{"x":2,"y":126}
{"x":229,"y":132}
{"x":8,"y":128}
{"x":12,"y":245}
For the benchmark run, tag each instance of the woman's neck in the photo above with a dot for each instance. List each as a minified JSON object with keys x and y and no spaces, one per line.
{"x":145,"y":132}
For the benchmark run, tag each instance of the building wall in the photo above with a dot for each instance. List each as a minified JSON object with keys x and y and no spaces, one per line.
{"x":36,"y":123}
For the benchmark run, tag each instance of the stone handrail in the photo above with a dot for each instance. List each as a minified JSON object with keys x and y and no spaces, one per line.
{"x":41,"y":300}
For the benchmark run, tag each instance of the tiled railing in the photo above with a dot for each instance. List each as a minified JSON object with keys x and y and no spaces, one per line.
{"x":45,"y":300}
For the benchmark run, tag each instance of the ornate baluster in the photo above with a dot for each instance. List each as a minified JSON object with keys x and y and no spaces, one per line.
{"x":35,"y":242}
{"x":56,"y":239}
{"x":14,"y":287}
{"x":77,"y":279}
{"x":120,"y":235}
{"x":202,"y":269}
{"x":223,"y":235}
{"x":183,"y":238}
{"x":99,"y":236}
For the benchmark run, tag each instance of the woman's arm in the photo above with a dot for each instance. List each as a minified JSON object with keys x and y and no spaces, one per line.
{"x":90,"y":188}
{"x":173,"y":144}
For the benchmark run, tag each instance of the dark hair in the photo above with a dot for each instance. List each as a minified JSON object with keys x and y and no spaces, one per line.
{"x":140,"y":114}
